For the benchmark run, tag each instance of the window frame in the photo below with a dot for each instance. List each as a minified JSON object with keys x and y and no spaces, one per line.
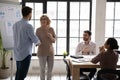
{"x":114,"y":20}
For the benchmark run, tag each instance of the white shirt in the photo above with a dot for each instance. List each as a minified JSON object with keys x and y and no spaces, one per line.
{"x":90,"y":46}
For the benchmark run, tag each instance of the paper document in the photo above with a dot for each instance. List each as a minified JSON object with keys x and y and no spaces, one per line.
{"x":82,"y":60}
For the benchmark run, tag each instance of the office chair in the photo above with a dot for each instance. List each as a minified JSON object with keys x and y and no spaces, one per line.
{"x":111,"y":71}
{"x":82,"y":77}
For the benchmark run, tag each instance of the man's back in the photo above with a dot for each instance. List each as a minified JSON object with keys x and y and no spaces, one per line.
{"x":23,"y":39}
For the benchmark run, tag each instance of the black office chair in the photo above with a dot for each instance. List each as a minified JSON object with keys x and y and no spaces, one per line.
{"x":111,"y":71}
{"x":82,"y":77}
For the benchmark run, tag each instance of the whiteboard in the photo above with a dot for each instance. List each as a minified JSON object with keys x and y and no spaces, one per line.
{"x":9,"y":14}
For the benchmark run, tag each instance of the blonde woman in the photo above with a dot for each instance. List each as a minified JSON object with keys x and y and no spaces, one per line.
{"x":45,"y":51}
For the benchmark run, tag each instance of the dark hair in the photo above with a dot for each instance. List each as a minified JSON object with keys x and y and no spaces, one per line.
{"x":88,"y":32}
{"x":26,"y":10}
{"x":113,"y":43}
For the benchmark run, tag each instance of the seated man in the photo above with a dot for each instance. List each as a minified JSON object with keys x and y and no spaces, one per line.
{"x":87,"y":48}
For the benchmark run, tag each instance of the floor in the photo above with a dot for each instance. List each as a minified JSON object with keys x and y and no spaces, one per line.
{"x":37,"y":77}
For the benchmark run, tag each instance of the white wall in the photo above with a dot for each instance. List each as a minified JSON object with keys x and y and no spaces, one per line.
{"x":100,"y":22}
{"x":59,"y":67}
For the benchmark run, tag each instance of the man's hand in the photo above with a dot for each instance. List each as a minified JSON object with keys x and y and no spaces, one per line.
{"x":86,"y":50}
{"x":38,"y":44}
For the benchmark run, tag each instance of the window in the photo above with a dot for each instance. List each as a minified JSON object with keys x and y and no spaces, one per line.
{"x":69,"y":19}
{"x":112,"y":20}
{"x":79,"y":21}
{"x":58,"y":13}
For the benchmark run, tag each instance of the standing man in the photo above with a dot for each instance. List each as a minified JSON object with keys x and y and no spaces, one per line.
{"x":24,"y":37}
{"x":87,"y":48}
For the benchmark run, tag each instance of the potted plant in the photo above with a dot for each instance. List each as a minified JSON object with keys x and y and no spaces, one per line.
{"x":4,"y":69}
{"x":65,"y":54}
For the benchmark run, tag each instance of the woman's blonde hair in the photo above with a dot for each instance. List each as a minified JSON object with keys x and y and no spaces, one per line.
{"x":44,"y":16}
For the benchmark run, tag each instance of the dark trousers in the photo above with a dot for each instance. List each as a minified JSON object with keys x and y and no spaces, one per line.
{"x":22,"y":68}
{"x":91,"y":70}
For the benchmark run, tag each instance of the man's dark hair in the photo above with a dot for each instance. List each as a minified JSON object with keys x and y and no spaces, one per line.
{"x":88,"y":32}
{"x":26,"y":10}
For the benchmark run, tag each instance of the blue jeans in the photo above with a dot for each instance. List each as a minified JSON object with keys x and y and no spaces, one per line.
{"x":22,"y":68}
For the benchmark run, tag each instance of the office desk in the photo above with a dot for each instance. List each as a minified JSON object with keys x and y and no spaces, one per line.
{"x":76,"y":64}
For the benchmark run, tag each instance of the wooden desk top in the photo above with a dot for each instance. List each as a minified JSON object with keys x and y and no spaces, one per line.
{"x":85,"y":62}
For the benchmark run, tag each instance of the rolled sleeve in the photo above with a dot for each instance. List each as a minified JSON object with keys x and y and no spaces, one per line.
{"x":32,"y":35}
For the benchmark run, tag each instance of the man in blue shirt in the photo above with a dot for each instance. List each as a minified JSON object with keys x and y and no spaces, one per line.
{"x":24,"y":37}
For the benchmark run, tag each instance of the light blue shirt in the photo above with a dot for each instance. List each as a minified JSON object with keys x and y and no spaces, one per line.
{"x":24,"y":37}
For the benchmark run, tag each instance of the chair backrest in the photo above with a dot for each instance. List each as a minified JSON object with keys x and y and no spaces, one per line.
{"x":111,"y":71}
{"x":85,"y":77}
{"x":68,"y":69}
